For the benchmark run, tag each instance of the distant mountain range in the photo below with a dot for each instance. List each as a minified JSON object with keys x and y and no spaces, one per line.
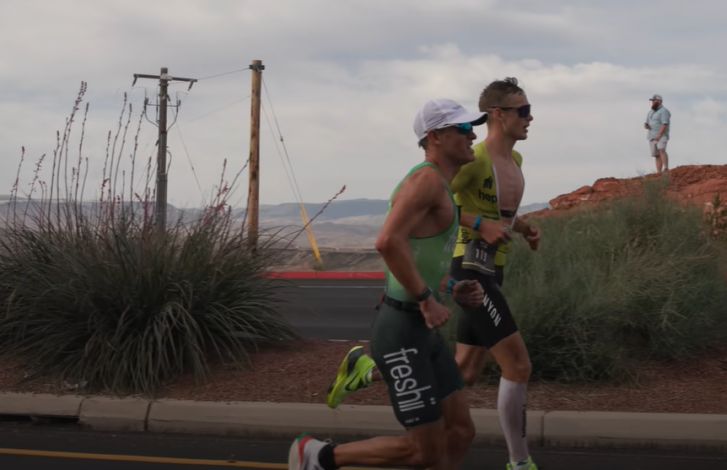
{"x":347,"y":224}
{"x":336,"y":210}
{"x":347,"y":209}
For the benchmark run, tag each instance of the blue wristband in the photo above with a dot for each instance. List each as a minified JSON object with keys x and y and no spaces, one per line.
{"x":476,"y":225}
{"x":450,"y":285}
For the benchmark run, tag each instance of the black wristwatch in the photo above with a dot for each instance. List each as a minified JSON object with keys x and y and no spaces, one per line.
{"x":424,"y":295}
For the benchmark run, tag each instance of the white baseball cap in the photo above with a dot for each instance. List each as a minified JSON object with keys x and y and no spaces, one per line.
{"x":441,"y":113}
{"x":656,"y":98}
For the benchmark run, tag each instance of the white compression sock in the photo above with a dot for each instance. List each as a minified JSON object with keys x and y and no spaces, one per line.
{"x":511,"y":403}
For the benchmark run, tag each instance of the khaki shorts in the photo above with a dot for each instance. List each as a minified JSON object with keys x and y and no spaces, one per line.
{"x":656,"y":146}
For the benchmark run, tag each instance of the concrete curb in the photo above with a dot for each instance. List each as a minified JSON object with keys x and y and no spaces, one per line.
{"x":40,"y":405}
{"x":114,"y":414}
{"x":548,"y":429}
{"x":279,"y":419}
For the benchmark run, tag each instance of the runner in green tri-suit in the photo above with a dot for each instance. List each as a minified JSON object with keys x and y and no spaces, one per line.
{"x":488,"y":191}
{"x":403,"y":331}
{"x":416,"y":243}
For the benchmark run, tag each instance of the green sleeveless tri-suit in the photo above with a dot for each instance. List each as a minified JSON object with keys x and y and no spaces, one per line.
{"x":415,"y":361}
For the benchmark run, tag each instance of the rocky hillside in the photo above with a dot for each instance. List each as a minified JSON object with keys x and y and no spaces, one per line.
{"x":704,"y":186}
{"x":694,"y":184}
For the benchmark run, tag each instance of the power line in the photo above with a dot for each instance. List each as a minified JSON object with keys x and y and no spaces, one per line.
{"x":189,"y":160}
{"x":296,"y":194}
{"x":224,"y":73}
{"x":217,"y":110}
{"x":296,"y":187}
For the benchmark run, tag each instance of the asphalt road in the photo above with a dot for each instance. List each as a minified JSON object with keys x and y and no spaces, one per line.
{"x":332,"y":309}
{"x":83,"y":450}
{"x":318,"y":309}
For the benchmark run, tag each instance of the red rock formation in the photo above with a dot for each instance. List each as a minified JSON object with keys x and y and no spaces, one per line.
{"x":695,"y":184}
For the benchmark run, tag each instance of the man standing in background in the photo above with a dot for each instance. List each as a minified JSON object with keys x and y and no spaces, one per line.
{"x":657,"y":126}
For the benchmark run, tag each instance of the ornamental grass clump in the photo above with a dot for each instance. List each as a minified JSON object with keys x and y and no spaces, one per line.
{"x":96,"y":294}
{"x":636,"y":279}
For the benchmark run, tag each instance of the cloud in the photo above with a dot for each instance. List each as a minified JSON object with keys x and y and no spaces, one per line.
{"x":344,"y":79}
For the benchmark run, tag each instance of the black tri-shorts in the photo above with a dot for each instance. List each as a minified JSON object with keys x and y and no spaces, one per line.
{"x":492,"y":321}
{"x":416,"y":363}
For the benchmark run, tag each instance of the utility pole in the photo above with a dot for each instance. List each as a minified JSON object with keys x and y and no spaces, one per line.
{"x":160,"y":214}
{"x":253,"y":194}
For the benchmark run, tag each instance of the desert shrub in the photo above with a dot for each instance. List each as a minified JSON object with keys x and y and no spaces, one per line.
{"x":97,"y":293}
{"x":127,"y":308}
{"x":636,"y":279}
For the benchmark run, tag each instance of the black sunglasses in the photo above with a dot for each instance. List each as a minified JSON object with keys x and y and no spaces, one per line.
{"x":522,"y":111}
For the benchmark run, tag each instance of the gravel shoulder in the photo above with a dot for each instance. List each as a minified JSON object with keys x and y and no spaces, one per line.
{"x":302,"y":371}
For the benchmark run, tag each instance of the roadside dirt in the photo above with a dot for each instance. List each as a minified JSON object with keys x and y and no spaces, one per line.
{"x":302,"y":371}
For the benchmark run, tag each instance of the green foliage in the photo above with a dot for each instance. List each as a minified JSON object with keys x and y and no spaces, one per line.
{"x":126,"y":308}
{"x":637,"y":279}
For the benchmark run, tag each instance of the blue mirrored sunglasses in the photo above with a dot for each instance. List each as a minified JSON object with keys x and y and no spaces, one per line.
{"x":464,"y":128}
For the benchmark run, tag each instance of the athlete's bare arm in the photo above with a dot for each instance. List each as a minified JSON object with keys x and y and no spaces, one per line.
{"x":529,"y":231}
{"x":420,"y":208}
{"x":493,"y":232}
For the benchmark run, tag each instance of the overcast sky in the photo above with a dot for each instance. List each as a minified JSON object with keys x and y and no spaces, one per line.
{"x":345,"y":78}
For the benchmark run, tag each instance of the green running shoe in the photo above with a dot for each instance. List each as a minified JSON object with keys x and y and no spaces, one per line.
{"x":525,"y":465}
{"x":354,"y":373}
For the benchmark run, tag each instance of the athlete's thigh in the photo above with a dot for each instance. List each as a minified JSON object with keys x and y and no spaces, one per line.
{"x":427,"y":439}
{"x":471,"y":359}
{"x":456,"y":410}
{"x":444,"y":365}
{"x":511,"y":354}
